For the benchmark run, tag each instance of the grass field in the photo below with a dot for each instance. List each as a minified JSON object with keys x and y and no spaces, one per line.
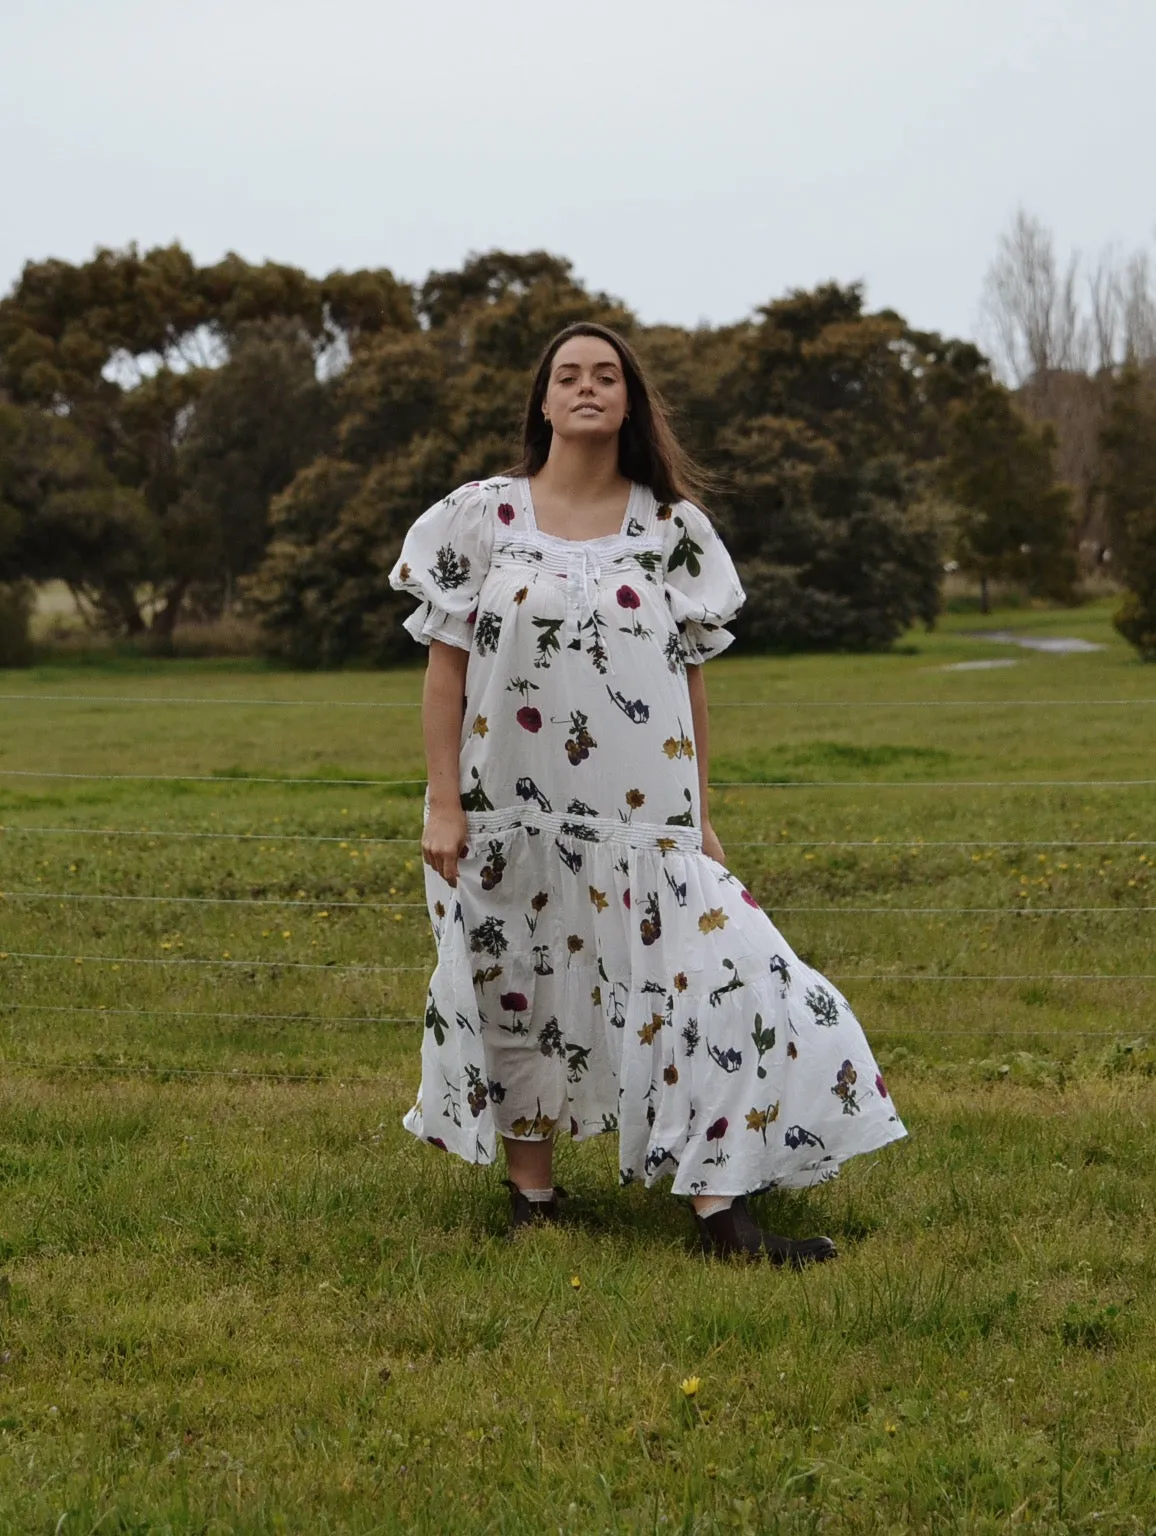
{"x":237,"y":1297}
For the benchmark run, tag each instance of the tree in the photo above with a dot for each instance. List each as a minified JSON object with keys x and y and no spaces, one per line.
{"x":1014,"y":518}
{"x":1129,"y":487}
{"x":258,"y":419}
{"x":125,"y":346}
{"x":1031,"y":305}
{"x":418,"y":413}
{"x":832,"y":415}
{"x":66,"y":518}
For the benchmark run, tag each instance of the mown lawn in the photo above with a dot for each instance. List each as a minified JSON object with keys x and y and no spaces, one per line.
{"x":237,"y":1297}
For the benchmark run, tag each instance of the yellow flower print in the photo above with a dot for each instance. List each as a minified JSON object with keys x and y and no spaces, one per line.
{"x":480,"y":726}
{"x":759,"y":1119}
{"x":709,"y":921}
{"x":404,"y":573}
{"x":678,"y":746}
{"x":648,"y":1031}
{"x":538,"y":1125}
{"x":635,"y":799}
{"x":680,"y":982}
{"x":599,"y":899}
{"x":520,"y":595}
{"x":665,"y":843}
{"x":663,"y":516}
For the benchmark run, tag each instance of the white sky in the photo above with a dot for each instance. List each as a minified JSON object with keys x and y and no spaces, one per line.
{"x":694,"y":157}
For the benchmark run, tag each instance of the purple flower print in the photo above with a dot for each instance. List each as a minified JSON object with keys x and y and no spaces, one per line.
{"x":627,"y":597}
{"x":506,"y":512}
{"x":880,"y":1086}
{"x":748,"y":898}
{"x":529,"y":718}
{"x":718,"y":1130}
{"x":514,"y":1002}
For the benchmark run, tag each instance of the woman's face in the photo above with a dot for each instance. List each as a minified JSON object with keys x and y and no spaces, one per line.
{"x":586,"y":394}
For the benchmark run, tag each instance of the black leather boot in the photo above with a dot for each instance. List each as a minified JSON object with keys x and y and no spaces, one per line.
{"x":735,"y":1231}
{"x":527,"y":1213}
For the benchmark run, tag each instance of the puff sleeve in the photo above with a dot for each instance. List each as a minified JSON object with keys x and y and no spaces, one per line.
{"x":702,"y":585}
{"x":444,"y":559}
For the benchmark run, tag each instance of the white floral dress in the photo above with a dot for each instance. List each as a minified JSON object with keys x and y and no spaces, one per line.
{"x":595,"y":969}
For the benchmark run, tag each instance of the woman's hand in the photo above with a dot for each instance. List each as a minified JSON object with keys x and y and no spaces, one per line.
{"x":711,"y":845}
{"x":443,"y":841}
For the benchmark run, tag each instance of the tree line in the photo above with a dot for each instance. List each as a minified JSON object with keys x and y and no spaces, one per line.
{"x":179,"y":441}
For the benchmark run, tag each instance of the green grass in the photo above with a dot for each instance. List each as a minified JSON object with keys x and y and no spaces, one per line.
{"x":238,"y":1297}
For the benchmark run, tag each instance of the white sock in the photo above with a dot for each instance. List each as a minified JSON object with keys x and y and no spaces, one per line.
{"x":537,"y":1196}
{"x":714,"y":1204}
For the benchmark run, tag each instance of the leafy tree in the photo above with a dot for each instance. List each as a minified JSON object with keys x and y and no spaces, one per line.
{"x":419,"y":412}
{"x":828,"y":516}
{"x":1129,"y":489}
{"x":68,"y":519}
{"x":1014,"y":520}
{"x":258,"y":420}
{"x":124,"y":347}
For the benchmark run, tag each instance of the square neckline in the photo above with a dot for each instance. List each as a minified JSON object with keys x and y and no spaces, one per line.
{"x":559,"y":538}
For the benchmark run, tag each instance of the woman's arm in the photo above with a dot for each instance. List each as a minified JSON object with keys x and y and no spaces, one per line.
{"x":442,"y":707}
{"x":701,"y":727}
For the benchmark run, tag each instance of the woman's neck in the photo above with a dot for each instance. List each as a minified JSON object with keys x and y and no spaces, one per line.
{"x":586,"y":471}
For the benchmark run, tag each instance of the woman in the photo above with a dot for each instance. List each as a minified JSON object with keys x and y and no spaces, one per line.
{"x":598,"y":967}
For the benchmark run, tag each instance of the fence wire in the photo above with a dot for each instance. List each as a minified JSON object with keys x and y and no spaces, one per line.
{"x":362,"y":840}
{"x":347,"y":968}
{"x":231,"y":781}
{"x":328,"y":1075}
{"x":168,"y":700}
{"x":314,"y":903}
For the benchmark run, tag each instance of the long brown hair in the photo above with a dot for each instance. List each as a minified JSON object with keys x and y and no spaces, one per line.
{"x":648,"y":451}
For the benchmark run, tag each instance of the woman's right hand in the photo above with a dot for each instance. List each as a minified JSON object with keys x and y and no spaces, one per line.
{"x":444,"y":841}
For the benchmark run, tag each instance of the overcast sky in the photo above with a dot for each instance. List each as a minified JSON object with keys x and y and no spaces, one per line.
{"x":693,"y":157}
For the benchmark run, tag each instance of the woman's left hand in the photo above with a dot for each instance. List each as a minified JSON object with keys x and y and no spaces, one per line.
{"x":711,"y":845}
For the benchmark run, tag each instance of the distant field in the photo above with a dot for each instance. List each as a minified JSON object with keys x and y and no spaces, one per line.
{"x":241,"y":1299}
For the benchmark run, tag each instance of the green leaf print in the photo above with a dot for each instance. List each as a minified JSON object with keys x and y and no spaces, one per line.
{"x":764,"y":1041}
{"x":475,"y":798}
{"x":548,"y":643}
{"x":450,"y":570}
{"x":823,"y":1005}
{"x":435,"y":1021}
{"x":487,"y":631}
{"x":685,"y":552}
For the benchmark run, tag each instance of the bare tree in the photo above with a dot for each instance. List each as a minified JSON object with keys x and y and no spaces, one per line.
{"x":1030,"y":307}
{"x":1105,"y":296}
{"x":1139,"y":309}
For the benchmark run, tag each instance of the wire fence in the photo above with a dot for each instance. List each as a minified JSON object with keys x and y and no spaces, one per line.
{"x":363,"y":839}
{"x":228,"y":780}
{"x":351,"y":968}
{"x":318,"y":903}
{"x":1121,"y":1038}
{"x":169,"y":700}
